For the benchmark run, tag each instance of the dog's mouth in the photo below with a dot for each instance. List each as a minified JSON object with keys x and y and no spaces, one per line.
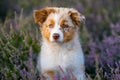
{"x":56,"y":41}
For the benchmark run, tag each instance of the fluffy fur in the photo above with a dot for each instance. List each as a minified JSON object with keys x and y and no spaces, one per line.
{"x":60,"y":41}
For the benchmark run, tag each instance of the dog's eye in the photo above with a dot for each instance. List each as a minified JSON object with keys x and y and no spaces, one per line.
{"x":64,"y":26}
{"x":50,"y":26}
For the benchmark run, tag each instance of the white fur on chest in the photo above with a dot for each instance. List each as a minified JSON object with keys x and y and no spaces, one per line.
{"x":66,"y":55}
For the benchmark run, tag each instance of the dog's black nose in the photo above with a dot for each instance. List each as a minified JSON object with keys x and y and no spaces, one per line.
{"x":56,"y":36}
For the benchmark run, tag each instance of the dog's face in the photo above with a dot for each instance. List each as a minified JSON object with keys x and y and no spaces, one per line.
{"x":58,"y":24}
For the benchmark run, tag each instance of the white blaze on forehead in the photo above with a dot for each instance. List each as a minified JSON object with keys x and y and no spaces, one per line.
{"x":56,"y":18}
{"x":56,"y":28}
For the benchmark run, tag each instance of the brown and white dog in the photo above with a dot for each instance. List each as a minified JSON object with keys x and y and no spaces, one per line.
{"x":60,"y":41}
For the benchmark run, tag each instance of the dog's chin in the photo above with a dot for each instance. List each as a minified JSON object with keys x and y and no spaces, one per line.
{"x":56,"y":42}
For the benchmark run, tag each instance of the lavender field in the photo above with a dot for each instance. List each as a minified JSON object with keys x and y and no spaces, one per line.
{"x":20,"y":38}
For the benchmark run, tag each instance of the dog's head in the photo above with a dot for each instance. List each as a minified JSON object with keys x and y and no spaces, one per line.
{"x":58,"y":24}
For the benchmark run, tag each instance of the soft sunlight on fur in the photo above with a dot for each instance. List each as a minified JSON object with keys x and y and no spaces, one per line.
{"x":60,"y":42}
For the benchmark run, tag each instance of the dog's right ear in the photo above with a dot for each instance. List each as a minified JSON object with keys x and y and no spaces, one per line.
{"x":41,"y":15}
{"x":76,"y":17}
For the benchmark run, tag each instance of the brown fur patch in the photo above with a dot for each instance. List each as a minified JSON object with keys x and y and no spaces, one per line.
{"x":45,"y":32}
{"x":69,"y":35}
{"x":41,"y":15}
{"x":46,"y":28}
{"x":74,"y":17}
{"x":51,"y":23}
{"x":67,"y":24}
{"x":50,"y":74}
{"x":63,"y":22}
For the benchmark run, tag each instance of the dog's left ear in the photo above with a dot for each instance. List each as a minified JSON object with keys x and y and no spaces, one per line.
{"x":41,"y":15}
{"x":76,"y":17}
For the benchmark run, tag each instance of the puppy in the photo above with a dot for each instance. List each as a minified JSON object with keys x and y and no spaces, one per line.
{"x":60,"y":47}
